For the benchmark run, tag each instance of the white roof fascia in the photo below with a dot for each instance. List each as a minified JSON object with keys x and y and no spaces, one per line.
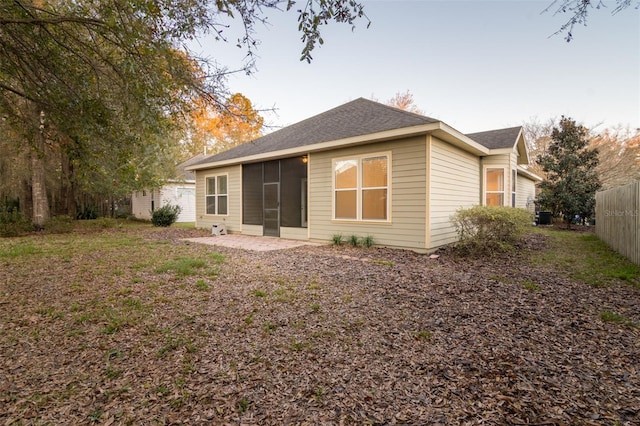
{"x":526,"y":173}
{"x":462,"y":141}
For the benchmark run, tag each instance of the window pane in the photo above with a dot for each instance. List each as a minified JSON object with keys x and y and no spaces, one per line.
{"x":211,"y":185}
{"x":513,"y":181}
{"x":495,"y":180}
{"x":222,"y":204}
{"x":346,"y":174}
{"x":374,"y":204}
{"x":374,"y":172}
{"x":346,"y":204}
{"x":222,"y":184}
{"x":495,"y":199}
{"x":211,"y":204}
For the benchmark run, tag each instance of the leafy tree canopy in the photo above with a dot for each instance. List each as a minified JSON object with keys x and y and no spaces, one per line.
{"x":571,"y":175}
{"x":104,"y":84}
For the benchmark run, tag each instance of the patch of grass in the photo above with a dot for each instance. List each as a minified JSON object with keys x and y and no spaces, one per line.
{"x":112,"y":373}
{"x":269,"y":327}
{"x":530,"y":285}
{"x":259,"y":293}
{"x":162,"y":390}
{"x":95,"y":415}
{"x":611,"y":316}
{"x":217,"y":257}
{"x":249,"y":318}
{"x":19,"y":249}
{"x":297,"y":346}
{"x":354,"y":240}
{"x":182,"y":266}
{"x":315,"y":307}
{"x":173,"y":343}
{"x":314,"y":285}
{"x":586,"y":258}
{"x":202,"y":285}
{"x":422,"y":335}
{"x":337,"y":239}
{"x":382,"y":262}
{"x":243,"y":405}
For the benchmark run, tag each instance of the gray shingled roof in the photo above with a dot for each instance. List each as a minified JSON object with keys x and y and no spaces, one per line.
{"x":355,"y":118}
{"x":496,"y":139}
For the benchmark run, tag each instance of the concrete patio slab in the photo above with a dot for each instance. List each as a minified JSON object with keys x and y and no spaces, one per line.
{"x":249,"y":242}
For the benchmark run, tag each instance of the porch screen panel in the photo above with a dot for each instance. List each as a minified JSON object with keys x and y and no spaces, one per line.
{"x":252,"y":194}
{"x":293,"y":175}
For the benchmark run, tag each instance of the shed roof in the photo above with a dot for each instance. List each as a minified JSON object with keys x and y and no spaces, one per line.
{"x":355,"y":118}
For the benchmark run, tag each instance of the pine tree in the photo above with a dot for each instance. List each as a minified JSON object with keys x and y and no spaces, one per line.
{"x":571,"y":176}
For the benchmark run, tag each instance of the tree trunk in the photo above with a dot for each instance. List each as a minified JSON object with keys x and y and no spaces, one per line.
{"x":41,"y":213}
{"x":68,"y":188}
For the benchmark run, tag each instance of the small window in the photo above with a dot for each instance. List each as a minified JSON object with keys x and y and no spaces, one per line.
{"x":494,"y":193}
{"x":361,"y":187}
{"x":216,"y":196}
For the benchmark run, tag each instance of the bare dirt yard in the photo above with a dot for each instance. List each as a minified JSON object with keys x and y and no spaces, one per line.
{"x":133,"y":325}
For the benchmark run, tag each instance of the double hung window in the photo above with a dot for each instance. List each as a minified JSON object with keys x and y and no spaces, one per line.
{"x":494,"y":181}
{"x":361,"y":188}
{"x":216,"y":197}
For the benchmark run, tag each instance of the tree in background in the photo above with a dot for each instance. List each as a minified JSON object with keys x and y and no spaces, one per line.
{"x":211,"y":130}
{"x":537,"y":135}
{"x":619,"y":156}
{"x":95,"y":89}
{"x":405,"y":102}
{"x":571,"y":176}
{"x":618,"y":151}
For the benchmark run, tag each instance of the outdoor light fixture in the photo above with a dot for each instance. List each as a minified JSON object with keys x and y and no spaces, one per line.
{"x":305,"y":159}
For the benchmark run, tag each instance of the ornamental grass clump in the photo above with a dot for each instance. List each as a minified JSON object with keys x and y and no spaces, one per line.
{"x":488,"y":229}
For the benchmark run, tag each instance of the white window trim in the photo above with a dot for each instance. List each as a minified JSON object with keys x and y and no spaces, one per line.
{"x":359,"y":158}
{"x":514,"y":188}
{"x":206,"y":179}
{"x":504,"y":185}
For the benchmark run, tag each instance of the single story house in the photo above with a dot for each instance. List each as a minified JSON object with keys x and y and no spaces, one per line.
{"x":365,"y":169}
{"x":181,"y":191}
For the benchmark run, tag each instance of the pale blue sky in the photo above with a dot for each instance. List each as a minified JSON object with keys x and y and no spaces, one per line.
{"x":476,"y":65}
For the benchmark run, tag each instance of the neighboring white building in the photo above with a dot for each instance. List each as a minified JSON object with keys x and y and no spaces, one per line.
{"x":180,"y":191}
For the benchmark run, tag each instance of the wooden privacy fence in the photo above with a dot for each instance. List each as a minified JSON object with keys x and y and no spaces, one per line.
{"x":618,"y":219}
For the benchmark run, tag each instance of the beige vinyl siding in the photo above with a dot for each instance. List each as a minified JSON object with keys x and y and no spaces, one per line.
{"x":525,"y":190}
{"x":407,"y":192}
{"x":293,"y":233}
{"x":454,"y":183}
{"x":255,"y":230}
{"x":233,"y":220}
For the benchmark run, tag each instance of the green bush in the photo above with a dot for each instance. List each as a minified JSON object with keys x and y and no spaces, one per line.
{"x":13,"y":223}
{"x":59,"y":225}
{"x":485,"y":229}
{"x":165,"y":215}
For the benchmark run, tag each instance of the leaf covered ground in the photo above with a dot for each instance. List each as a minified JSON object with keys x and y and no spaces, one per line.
{"x":136,"y":326}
